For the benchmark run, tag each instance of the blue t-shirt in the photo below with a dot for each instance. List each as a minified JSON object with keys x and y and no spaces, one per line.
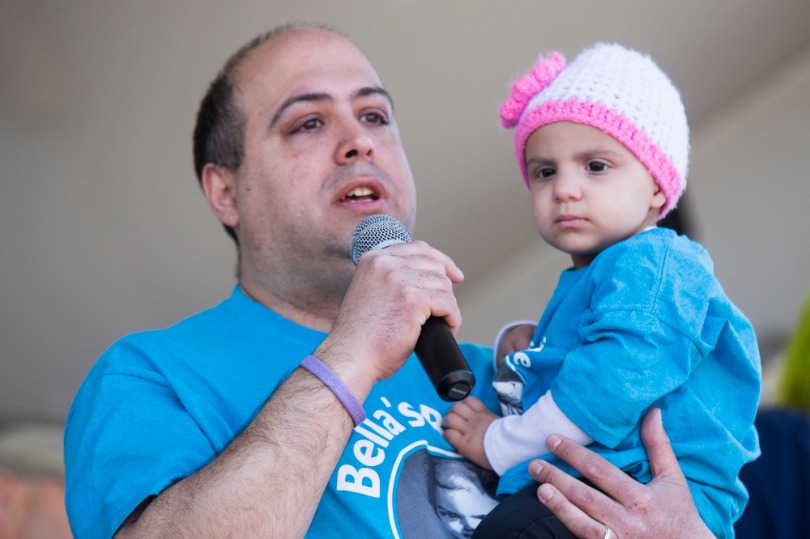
{"x":161,"y":404}
{"x":647,"y":324}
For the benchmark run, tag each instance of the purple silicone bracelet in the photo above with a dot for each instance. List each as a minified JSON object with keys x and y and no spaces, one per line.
{"x":336,"y":385}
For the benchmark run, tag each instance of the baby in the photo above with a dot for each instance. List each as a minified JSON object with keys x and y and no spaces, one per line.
{"x":638,"y":322}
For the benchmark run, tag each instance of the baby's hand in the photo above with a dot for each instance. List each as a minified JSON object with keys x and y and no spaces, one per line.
{"x":464,"y":427}
{"x":514,"y":339}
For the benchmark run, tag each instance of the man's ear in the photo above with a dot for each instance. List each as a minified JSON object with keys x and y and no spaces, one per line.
{"x":219,"y":185}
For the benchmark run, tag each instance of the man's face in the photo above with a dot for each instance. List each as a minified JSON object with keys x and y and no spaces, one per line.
{"x":321,"y":152}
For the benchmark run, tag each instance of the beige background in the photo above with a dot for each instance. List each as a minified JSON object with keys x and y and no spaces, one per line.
{"x":104,"y":230}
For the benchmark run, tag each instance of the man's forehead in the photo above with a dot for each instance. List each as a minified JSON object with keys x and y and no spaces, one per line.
{"x":309,"y":62}
{"x":312,"y":52}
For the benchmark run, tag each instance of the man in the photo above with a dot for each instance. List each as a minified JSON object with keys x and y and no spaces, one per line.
{"x":210,"y":428}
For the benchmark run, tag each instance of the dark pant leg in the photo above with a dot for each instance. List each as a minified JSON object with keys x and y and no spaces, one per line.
{"x":521,"y":516}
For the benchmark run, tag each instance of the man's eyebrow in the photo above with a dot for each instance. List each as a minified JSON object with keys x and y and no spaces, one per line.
{"x":298,"y":99}
{"x":376,"y":90}
{"x":322,"y":96}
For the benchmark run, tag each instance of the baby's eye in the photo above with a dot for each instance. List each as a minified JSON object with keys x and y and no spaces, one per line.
{"x":597,"y":166}
{"x":544,"y":173}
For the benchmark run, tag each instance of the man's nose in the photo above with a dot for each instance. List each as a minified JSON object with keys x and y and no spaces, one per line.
{"x":355,"y":146}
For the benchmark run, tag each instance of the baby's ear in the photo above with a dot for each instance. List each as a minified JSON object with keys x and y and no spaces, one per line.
{"x":659,"y":199}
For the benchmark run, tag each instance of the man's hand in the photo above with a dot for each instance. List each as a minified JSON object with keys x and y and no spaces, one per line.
{"x":465,"y":426}
{"x":393,"y":292}
{"x":661,"y":509}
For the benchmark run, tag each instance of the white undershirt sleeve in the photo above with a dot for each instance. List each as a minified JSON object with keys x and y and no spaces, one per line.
{"x":514,"y":439}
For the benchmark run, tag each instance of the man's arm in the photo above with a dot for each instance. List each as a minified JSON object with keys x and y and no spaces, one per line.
{"x":269,"y":481}
{"x":661,"y":509}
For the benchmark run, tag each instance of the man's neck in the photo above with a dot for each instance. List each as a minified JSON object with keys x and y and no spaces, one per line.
{"x":315,"y":312}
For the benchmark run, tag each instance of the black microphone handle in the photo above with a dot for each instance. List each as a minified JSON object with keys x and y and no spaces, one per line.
{"x":436,"y":347}
{"x":442,"y":360}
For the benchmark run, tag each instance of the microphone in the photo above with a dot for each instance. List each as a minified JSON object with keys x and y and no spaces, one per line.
{"x":436,"y":348}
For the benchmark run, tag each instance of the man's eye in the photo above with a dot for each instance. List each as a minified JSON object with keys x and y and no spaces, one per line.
{"x":375,"y":118}
{"x":309,"y":124}
{"x":312,"y":123}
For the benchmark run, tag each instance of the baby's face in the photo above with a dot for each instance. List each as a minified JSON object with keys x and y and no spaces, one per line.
{"x":588,"y":191}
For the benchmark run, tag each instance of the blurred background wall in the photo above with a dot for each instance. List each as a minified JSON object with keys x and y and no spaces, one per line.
{"x":103,"y":230}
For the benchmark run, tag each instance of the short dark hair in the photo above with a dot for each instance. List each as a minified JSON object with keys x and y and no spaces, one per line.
{"x":220,"y":128}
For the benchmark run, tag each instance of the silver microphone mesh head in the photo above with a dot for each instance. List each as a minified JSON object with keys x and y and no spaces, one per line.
{"x":376,"y":232}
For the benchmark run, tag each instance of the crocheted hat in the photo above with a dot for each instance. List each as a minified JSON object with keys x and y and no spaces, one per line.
{"x":616,"y":90}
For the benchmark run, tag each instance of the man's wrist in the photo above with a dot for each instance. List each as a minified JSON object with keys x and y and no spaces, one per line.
{"x":341,"y":391}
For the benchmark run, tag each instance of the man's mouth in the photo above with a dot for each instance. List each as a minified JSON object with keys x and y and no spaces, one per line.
{"x":360,"y":194}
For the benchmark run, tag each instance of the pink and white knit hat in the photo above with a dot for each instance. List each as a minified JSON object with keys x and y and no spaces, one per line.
{"x":616,"y":90}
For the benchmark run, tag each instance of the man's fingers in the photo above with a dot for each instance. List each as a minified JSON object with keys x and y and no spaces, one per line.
{"x":420,"y":276}
{"x":661,"y":508}
{"x":422,"y":256}
{"x":569,"y":514}
{"x":565,"y":496}
{"x":571,"y":488}
{"x":450,"y":268}
{"x":593,"y":467}
{"x":663,"y":462}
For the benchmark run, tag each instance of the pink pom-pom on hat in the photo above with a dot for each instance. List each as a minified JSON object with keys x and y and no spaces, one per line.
{"x":616,"y":90}
{"x":527,"y":86}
